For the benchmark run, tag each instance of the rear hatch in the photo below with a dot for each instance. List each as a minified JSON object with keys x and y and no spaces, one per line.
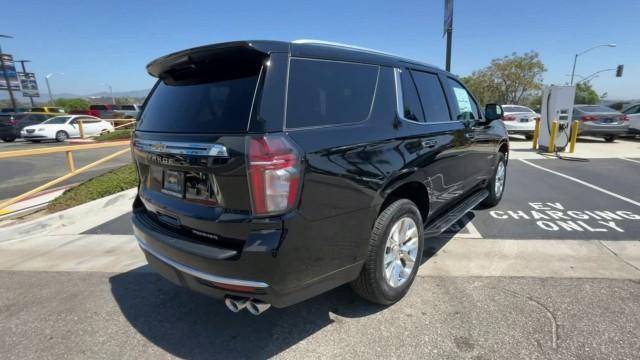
{"x":7,"y":122}
{"x":190,"y":143}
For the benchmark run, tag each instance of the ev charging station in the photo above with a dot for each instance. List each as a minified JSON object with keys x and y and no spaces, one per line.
{"x":557,"y":104}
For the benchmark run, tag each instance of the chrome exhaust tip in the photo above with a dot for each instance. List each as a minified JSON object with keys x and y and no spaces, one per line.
{"x":257,"y":307}
{"x":235,"y":304}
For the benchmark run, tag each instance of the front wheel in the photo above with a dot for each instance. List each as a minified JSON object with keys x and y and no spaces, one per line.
{"x":61,"y":136}
{"x":8,"y":139}
{"x":394,"y":254}
{"x":610,"y":138}
{"x":528,"y":136}
{"x":497,"y":183}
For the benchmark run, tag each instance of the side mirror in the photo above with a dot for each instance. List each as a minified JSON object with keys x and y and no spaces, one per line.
{"x":493,"y":112}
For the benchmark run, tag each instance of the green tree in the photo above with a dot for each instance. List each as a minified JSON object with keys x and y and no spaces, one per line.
{"x":73,"y":104}
{"x":585,"y":94}
{"x":508,"y":80}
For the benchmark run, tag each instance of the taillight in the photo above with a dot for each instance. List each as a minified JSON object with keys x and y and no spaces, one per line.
{"x":274,"y":166}
{"x":508,"y":118}
{"x":588,"y":118}
{"x":623,"y":118}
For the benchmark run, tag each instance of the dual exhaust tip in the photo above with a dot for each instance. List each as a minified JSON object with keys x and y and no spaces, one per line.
{"x":235,"y":304}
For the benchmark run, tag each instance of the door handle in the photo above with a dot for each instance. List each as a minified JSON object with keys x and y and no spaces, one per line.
{"x":429,"y":143}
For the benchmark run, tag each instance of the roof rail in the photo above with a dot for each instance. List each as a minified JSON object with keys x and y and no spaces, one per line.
{"x":341,"y":45}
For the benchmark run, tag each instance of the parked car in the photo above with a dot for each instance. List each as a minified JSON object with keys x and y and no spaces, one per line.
{"x":633,"y":113}
{"x":520,"y":120}
{"x":103,"y":111}
{"x":12,"y":124}
{"x":61,"y":128}
{"x":12,"y":110}
{"x":351,"y":157}
{"x":600,"y":121}
{"x":128,"y":111}
{"x":49,"y":110}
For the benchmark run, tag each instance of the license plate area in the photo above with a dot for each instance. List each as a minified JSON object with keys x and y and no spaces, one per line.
{"x":193,"y":186}
{"x":524,"y":119}
{"x":173,"y":183}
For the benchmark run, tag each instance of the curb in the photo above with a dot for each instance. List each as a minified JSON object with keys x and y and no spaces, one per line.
{"x":74,"y":220}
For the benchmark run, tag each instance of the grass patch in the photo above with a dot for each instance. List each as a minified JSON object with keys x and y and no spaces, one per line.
{"x":120,"y":179}
{"x":122,"y":134}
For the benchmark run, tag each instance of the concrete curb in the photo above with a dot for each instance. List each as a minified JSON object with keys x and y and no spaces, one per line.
{"x":74,"y":220}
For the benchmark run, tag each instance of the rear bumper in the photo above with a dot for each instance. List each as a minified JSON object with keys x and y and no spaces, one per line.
{"x":600,"y":130}
{"x":9,"y":132}
{"x":266,"y":268}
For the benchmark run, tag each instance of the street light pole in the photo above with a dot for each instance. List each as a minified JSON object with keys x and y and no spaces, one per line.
{"x":113,"y":100}
{"x":4,"y":73}
{"x":575,"y":58}
{"x":24,"y":71}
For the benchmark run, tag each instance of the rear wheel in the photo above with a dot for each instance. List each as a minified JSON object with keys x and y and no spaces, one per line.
{"x":610,"y":138}
{"x":528,"y":136}
{"x":61,"y":136}
{"x":394,"y":254}
{"x":8,"y":139}
{"x":497,"y":183}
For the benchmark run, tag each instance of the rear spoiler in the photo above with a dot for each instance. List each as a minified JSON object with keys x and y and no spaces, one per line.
{"x":192,"y":57}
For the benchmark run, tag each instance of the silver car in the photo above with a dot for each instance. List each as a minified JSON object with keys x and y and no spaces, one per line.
{"x":600,"y":121}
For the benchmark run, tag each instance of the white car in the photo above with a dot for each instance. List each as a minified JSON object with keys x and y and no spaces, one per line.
{"x":61,"y":128}
{"x":520,"y":120}
{"x":633,"y":113}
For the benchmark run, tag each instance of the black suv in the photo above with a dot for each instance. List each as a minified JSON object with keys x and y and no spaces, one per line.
{"x":273,"y":171}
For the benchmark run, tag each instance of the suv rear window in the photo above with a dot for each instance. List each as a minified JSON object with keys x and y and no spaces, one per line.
{"x":222,"y":104}
{"x":329,"y":93}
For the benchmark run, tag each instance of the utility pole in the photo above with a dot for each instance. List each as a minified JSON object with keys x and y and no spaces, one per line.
{"x":24,"y":71}
{"x":113,"y":100}
{"x":448,"y":29}
{"x":4,"y":73}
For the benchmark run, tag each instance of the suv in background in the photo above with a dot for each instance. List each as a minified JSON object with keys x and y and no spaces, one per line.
{"x":271,"y":171}
{"x":12,"y":124}
{"x":103,"y":111}
{"x":633,"y":113}
{"x":128,"y":111}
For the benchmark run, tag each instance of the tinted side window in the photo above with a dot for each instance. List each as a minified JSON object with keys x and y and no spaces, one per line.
{"x":329,"y":93}
{"x":463,"y":104}
{"x":412,"y":109}
{"x":432,"y":96}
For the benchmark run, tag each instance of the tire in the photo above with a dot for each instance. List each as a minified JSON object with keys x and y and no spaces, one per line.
{"x":495,"y":192}
{"x":528,"y":136}
{"x":104,"y":131}
{"x":610,"y":138}
{"x":8,"y":139}
{"x":375,"y":283}
{"x":61,"y":136}
{"x":34,"y":141}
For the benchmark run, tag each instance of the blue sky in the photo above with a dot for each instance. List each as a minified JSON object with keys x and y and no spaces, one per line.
{"x":93,"y":42}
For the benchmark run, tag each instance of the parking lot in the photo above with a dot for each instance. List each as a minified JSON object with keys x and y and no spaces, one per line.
{"x":23,"y":174}
{"x":552,"y":272}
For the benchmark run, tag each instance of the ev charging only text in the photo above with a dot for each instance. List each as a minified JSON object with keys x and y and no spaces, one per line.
{"x":555,"y":217}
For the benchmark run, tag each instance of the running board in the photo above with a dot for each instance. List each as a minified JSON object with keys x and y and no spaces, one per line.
{"x":442,"y":223}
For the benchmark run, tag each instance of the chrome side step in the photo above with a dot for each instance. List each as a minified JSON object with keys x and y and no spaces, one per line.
{"x":442,"y":223}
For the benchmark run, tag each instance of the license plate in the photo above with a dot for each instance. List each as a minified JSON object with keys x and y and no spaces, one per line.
{"x":607,"y":121}
{"x":524,"y":120}
{"x":173,"y":183}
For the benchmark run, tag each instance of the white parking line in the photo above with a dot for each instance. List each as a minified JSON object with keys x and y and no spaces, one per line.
{"x":605,"y":191}
{"x":633,"y":161}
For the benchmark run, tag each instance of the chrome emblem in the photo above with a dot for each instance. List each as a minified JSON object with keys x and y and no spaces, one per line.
{"x":158,"y":147}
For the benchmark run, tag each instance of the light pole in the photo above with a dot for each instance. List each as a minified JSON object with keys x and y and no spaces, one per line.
{"x":575,"y":59}
{"x":24,"y":71}
{"x":46,"y":79}
{"x":113,"y":100}
{"x":5,"y":75}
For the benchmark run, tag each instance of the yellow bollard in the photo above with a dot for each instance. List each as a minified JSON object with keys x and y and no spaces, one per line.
{"x":70,"y":164}
{"x":81,"y":127}
{"x":536,"y":133}
{"x":552,"y":137}
{"x":574,"y":135}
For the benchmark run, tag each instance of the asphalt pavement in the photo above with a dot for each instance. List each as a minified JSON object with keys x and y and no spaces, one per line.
{"x":22,"y":174}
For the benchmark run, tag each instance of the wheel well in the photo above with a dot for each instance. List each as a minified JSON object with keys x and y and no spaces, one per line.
{"x":504,"y":149}
{"x":413,"y":191}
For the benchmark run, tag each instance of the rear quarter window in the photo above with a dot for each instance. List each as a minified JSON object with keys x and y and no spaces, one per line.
{"x":325,"y":93}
